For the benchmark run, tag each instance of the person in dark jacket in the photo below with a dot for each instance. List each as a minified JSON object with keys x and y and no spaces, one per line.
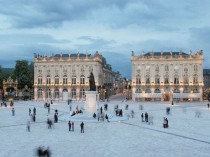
{"x":69,"y":123}
{"x":82,"y":127}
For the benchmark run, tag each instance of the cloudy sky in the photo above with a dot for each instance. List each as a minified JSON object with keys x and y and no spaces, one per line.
{"x":112,"y":27}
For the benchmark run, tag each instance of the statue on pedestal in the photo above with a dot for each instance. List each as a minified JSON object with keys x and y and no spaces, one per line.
{"x":92,"y":82}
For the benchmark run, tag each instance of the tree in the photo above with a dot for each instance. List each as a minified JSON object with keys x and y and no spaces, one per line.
{"x":23,"y":72}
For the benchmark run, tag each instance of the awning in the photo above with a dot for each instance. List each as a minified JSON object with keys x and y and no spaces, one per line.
{"x":186,"y":95}
{"x":148,"y":95}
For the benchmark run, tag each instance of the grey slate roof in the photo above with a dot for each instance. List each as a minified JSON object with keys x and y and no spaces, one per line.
{"x":165,"y":54}
{"x":82,"y":55}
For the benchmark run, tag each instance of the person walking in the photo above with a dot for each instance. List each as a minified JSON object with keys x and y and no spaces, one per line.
{"x":34,"y":111}
{"x":13,"y":111}
{"x":69,"y":123}
{"x":142,"y":117}
{"x":28,"y":125}
{"x":107,"y":118}
{"x":208,"y":105}
{"x":82,"y":127}
{"x":72,"y":126}
{"x":29,"y":111}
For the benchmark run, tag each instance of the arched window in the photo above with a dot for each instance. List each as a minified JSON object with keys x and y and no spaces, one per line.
{"x":138,"y":79}
{"x":186,"y":90}
{"x":48,"y":81}
{"x":65,"y":79}
{"x":147,"y":90}
{"x":39,"y":79}
{"x":56,"y":93}
{"x":73,"y":92}
{"x":157,"y":90}
{"x":39,"y":93}
{"x":195,"y":90}
{"x":176,"y":90}
{"x":82,"y":79}
{"x":138,"y":90}
{"x":56,"y":79}
{"x":73,"y":80}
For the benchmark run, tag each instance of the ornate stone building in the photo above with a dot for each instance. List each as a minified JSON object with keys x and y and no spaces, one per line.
{"x":167,"y":76}
{"x":65,"y":76}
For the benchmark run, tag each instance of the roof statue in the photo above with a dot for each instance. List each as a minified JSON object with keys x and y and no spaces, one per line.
{"x":92,"y":82}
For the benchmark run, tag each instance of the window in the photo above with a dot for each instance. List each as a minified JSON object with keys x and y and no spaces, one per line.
{"x":56,"y":79}
{"x":48,"y":93}
{"x":195,"y":79}
{"x":195,"y":67}
{"x":166,"y":80}
{"x":176,"y":90}
{"x":56,"y":93}
{"x":147,"y":79}
{"x":138,"y":79}
{"x":157,"y":79}
{"x":186,"y":90}
{"x":176,"y":79}
{"x":39,"y":80}
{"x":82,"y":79}
{"x":82,"y":93}
{"x":147,"y":90}
{"x":48,"y":81}
{"x":40,"y":93}
{"x":157,"y":90}
{"x":195,"y":90}
{"x":138,"y":90}
{"x":186,"y":79}
{"x":73,"y":93}
{"x":65,"y":79}
{"x":73,"y":80}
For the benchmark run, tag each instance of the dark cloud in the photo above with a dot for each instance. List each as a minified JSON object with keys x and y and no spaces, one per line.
{"x":51,"y":13}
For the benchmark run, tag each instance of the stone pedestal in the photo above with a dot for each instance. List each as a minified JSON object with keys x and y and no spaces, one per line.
{"x":91,"y":102}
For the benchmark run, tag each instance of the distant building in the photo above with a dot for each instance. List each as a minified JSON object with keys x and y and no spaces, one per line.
{"x":65,"y":76}
{"x":206,"y":78}
{"x":167,"y":76}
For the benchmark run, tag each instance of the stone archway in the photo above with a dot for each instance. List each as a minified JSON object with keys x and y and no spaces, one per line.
{"x":10,"y":89}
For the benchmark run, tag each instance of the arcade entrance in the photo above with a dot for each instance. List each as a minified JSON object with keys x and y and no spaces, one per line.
{"x":166,"y":97}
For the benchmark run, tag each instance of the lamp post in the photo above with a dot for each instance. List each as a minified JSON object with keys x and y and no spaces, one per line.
{"x":172,"y":96}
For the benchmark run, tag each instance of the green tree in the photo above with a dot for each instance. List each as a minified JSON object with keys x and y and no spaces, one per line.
{"x":23,"y":72}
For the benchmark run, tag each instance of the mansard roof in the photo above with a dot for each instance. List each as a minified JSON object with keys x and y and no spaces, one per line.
{"x":82,"y":55}
{"x":165,"y":54}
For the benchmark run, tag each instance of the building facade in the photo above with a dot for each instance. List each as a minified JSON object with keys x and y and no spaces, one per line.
{"x":167,"y":76}
{"x":65,"y":76}
{"x":206,"y":78}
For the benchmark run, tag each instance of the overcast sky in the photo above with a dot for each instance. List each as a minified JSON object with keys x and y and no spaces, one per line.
{"x":112,"y":27}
